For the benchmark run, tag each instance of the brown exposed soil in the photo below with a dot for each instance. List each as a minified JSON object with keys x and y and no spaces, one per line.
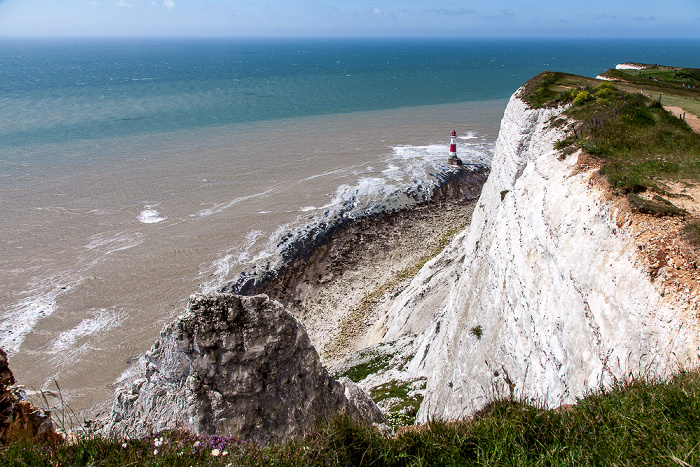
{"x":671,"y":262}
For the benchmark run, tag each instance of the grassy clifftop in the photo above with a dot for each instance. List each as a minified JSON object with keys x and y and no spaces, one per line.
{"x":625,"y":126}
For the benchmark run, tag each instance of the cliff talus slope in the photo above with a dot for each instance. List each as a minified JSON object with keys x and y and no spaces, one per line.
{"x":545,"y":296}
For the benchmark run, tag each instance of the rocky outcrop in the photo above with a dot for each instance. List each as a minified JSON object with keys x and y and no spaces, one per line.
{"x":19,"y":419}
{"x":239,"y":366}
{"x":545,"y":296}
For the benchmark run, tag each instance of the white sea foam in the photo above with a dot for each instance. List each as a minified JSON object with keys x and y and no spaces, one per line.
{"x":393,"y":172}
{"x":150,"y":216}
{"x":469,"y":135}
{"x":109,"y":243}
{"x":37,"y":303}
{"x":219,"y":207}
{"x":367,"y":190}
{"x":331,"y":172}
{"x":433,"y":157}
{"x":217,"y":274}
{"x":103,"y":321}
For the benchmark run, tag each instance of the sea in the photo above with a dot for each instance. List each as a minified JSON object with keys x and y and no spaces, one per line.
{"x":135,"y":172}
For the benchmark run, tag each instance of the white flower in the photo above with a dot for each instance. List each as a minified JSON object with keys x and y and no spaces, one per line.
{"x":123,"y":445}
{"x":155,"y":452}
{"x":215,"y":452}
{"x":224,"y":454}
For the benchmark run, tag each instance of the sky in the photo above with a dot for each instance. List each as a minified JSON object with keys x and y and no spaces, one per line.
{"x":356,"y":18}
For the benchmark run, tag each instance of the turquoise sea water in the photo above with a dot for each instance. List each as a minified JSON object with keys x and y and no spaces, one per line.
{"x":62,"y":90}
{"x":135,"y":172}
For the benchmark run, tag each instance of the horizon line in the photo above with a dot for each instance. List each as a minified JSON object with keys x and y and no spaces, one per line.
{"x":339,"y":36}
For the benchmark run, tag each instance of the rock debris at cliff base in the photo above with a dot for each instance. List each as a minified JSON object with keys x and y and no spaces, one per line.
{"x":209,"y":373}
{"x":338,"y":288}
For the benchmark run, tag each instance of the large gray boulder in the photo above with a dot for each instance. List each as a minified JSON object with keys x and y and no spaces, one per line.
{"x":237,"y":366}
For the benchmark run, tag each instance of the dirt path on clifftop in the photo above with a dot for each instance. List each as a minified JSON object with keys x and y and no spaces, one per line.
{"x":690,"y":119}
{"x":336,"y":293}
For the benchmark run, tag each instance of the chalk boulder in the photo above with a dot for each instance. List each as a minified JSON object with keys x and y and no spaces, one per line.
{"x":237,"y":366}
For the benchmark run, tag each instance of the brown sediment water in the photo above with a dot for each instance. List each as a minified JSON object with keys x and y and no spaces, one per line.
{"x":99,"y":256}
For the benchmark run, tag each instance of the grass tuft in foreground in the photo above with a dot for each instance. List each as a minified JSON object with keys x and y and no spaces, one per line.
{"x":638,"y":423}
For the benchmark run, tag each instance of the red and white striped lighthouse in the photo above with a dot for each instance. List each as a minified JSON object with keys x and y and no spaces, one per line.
{"x":453,"y":160}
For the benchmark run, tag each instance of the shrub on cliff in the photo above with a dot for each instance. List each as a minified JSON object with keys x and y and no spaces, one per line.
{"x":581,"y":97}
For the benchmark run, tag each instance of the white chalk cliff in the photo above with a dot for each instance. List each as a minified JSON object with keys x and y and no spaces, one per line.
{"x":544,"y":296}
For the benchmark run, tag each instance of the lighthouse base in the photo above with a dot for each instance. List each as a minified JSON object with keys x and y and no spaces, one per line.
{"x":454,"y":160}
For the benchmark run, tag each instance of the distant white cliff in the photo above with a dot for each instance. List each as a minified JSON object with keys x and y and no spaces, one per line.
{"x":544,"y":296}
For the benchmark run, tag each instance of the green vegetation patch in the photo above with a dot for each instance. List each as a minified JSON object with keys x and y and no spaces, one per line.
{"x":638,"y":142}
{"x":672,"y":78}
{"x":370,"y":366}
{"x":657,"y":206}
{"x":376,"y":359}
{"x":691,"y":232}
{"x":477,"y":332}
{"x":402,"y":400}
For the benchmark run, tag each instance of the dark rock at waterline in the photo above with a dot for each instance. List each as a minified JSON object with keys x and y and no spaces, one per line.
{"x":235,"y":366}
{"x":453,"y":185}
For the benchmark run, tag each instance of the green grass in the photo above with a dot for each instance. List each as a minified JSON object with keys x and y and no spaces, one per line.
{"x":639,"y":144}
{"x":691,"y":232}
{"x":405,"y":403}
{"x":657,"y":206}
{"x":640,"y":423}
{"x":359,"y":372}
{"x":663,"y":77}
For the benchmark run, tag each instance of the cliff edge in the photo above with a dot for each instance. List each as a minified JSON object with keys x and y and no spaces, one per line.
{"x":546,"y":296}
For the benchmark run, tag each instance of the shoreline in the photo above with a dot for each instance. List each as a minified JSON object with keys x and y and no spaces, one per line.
{"x":334,"y":278}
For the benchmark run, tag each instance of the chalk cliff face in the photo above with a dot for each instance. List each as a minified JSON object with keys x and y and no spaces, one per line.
{"x":238,"y":366}
{"x":544,"y":296}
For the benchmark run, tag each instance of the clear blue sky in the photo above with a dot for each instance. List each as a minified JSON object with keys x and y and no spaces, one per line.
{"x":480,"y":18}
